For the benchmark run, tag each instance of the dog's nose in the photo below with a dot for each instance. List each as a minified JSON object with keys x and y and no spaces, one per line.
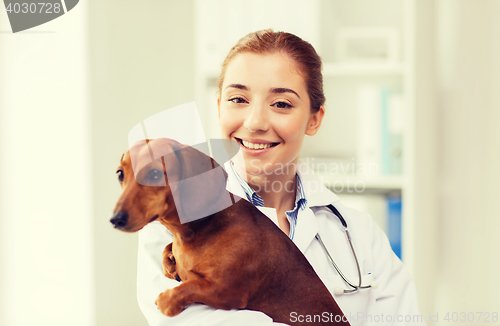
{"x":119,"y":220}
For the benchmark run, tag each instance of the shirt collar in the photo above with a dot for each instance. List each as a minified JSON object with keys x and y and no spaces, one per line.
{"x":300,"y":199}
{"x":254,"y":198}
{"x":313,"y":187}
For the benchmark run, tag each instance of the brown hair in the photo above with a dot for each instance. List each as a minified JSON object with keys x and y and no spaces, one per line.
{"x":268,"y":42}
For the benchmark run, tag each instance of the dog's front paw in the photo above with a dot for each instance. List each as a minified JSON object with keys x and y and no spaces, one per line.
{"x":168,"y":305}
{"x":169,"y":269}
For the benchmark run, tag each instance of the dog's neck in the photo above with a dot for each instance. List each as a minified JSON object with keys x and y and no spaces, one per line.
{"x":186,"y":232}
{"x":183,"y":232}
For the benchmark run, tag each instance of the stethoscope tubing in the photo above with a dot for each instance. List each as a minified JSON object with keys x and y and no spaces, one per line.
{"x":346,"y":280}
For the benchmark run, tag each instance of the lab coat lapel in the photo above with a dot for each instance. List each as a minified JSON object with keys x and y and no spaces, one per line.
{"x":317,"y":195}
{"x":307,"y":228}
{"x":315,"y":191}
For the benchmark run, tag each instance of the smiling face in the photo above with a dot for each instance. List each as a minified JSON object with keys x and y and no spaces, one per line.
{"x":264,"y":105}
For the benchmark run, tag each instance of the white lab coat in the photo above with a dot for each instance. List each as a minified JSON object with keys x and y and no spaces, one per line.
{"x":394,"y":302}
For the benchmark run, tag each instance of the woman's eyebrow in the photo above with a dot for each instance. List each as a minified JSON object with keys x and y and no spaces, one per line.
{"x":283,"y":90}
{"x":276,"y":90}
{"x":238,"y":86}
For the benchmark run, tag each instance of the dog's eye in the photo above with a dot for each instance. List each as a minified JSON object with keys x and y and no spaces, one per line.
{"x":120,"y":175}
{"x":155,"y":175}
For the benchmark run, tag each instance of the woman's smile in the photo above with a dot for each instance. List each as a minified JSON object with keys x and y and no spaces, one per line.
{"x":256,"y":145}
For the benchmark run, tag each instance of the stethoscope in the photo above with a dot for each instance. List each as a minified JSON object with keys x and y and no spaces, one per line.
{"x":339,"y":290}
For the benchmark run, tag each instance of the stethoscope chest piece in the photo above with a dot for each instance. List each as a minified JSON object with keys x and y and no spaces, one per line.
{"x":339,"y":290}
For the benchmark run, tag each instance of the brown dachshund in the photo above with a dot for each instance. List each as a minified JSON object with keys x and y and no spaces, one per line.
{"x":233,"y":258}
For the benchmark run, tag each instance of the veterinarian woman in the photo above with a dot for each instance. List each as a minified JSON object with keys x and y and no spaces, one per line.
{"x":270,"y":98}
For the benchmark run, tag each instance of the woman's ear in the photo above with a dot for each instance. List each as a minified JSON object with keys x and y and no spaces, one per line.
{"x":218,"y":105}
{"x":315,"y":121}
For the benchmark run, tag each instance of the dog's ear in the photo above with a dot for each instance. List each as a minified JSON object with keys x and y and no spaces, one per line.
{"x":144,"y":158}
{"x":197,"y":183}
{"x":147,"y":157}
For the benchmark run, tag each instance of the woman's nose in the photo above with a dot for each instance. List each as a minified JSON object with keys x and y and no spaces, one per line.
{"x":256,"y":119}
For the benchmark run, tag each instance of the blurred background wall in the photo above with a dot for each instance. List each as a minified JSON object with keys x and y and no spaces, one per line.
{"x":141,"y":63}
{"x":71,"y":89}
{"x":467,"y":54}
{"x":46,"y":233}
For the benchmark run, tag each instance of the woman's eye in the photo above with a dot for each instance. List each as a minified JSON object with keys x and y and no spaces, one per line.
{"x":237,"y":100}
{"x":120,"y":175}
{"x":155,"y":175}
{"x":282,"y":105}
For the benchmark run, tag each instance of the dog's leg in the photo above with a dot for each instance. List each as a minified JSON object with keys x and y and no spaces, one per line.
{"x":169,"y":263}
{"x":173,"y":301}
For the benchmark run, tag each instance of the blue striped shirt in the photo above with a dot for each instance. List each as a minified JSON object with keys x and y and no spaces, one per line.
{"x":300,"y":199}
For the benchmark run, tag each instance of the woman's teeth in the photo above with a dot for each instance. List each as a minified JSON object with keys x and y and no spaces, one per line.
{"x":255,"y":146}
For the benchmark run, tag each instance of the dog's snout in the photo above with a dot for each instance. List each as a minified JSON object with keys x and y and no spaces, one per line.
{"x":119,"y":220}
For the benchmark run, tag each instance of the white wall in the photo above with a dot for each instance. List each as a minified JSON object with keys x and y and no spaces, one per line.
{"x":45,"y":175}
{"x":468,"y":70}
{"x":457,"y":122}
{"x":141,"y":63}
{"x":425,"y":204}
{"x":68,"y":99}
